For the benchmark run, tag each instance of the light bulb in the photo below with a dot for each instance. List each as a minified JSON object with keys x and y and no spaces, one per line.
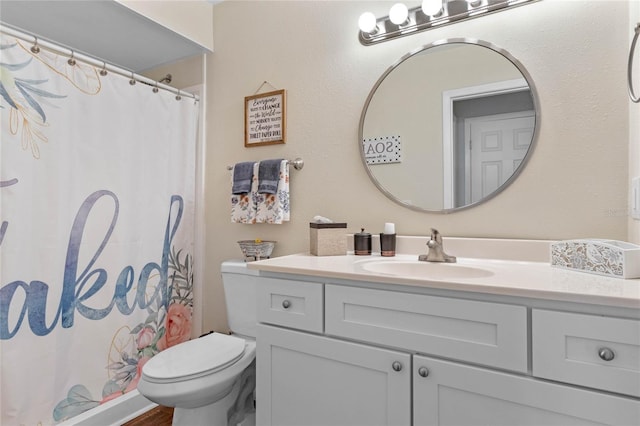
{"x":367,"y":22}
{"x":432,"y":7}
{"x":398,"y":13}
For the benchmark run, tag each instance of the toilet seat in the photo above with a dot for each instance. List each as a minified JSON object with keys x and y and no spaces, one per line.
{"x":195,"y":358}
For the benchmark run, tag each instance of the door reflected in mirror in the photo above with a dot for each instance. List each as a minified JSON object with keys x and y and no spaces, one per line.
{"x":449,"y":126}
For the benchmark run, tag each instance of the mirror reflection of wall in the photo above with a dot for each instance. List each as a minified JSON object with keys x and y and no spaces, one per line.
{"x":434,"y":100}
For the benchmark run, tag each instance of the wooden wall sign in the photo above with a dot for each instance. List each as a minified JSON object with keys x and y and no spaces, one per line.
{"x":264,"y":119}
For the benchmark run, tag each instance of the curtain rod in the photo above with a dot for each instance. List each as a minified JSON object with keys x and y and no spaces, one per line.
{"x":8,"y":30}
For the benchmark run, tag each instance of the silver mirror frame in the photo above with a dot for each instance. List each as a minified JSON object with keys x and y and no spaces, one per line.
{"x":516,"y":173}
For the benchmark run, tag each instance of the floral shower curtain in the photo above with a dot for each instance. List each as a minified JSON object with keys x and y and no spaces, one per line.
{"x":97,"y":191}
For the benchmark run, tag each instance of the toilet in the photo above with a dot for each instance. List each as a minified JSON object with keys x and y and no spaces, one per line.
{"x":211,"y":380}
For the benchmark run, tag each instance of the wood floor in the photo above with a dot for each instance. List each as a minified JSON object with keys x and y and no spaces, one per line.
{"x":159,"y":416}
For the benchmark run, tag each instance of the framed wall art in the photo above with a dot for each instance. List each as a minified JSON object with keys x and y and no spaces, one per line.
{"x":265,"y":119}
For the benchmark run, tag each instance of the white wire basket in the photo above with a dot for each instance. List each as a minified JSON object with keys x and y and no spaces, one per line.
{"x":256,"y":249}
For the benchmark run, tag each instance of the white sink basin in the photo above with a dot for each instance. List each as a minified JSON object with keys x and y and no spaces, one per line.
{"x":426,"y":270}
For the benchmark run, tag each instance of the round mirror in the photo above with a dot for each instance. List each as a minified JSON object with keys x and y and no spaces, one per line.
{"x":449,"y":126}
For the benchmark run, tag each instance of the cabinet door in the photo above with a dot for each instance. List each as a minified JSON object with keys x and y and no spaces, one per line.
{"x":305,"y":379}
{"x":448,"y":393}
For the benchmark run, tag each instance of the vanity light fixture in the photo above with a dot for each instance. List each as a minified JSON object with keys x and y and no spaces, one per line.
{"x":399,"y":15}
{"x":367,"y":23}
{"x":432,"y":7}
{"x":432,"y":13}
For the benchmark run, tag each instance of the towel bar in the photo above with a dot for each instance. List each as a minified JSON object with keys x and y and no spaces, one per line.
{"x":297,"y":164}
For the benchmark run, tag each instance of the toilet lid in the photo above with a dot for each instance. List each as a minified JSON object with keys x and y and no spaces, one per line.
{"x":195,"y":358}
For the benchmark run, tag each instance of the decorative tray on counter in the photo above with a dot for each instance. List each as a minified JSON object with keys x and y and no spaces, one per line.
{"x":603,"y":257}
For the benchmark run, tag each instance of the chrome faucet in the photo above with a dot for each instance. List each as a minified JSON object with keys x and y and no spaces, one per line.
{"x":436,"y":251}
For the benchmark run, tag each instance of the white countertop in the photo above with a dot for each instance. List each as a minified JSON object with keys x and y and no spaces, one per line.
{"x":509,"y":278}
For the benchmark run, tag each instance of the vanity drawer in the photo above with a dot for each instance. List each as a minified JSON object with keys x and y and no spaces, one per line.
{"x":486,"y":333}
{"x":587,"y":350}
{"x":289,"y":303}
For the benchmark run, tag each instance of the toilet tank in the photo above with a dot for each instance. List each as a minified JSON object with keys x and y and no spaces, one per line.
{"x":240,"y":293}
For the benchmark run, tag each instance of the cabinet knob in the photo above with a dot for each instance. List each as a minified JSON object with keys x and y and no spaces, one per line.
{"x":286,"y":304}
{"x":397,"y":366}
{"x":423,"y":371}
{"x":606,"y":354}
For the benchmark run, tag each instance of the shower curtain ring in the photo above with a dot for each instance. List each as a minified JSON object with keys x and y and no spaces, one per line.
{"x":103,"y":71}
{"x":71,"y":60}
{"x":178,"y":97}
{"x":133,"y":80}
{"x":35,"y":48}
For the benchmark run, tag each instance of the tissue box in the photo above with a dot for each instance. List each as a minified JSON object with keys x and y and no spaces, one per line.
{"x":603,"y":257}
{"x":328,"y":239}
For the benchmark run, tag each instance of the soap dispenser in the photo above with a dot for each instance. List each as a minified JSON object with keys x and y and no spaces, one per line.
{"x":388,"y":240}
{"x":362,"y":243}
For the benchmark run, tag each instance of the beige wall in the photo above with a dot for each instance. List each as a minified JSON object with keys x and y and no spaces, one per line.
{"x":574,"y":186}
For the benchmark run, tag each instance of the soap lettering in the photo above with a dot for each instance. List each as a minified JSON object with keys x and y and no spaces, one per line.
{"x":379,"y":148}
{"x":80,"y":284}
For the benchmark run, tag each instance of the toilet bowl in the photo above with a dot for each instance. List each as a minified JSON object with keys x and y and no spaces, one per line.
{"x":211,"y":380}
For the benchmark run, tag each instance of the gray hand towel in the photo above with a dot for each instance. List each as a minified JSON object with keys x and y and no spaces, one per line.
{"x":268,"y":176}
{"x":242,"y":177}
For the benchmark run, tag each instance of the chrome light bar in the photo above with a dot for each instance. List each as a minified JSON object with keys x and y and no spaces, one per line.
{"x":418,"y":20}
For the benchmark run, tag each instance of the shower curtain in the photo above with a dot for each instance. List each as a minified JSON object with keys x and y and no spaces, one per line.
{"x":97,"y":192}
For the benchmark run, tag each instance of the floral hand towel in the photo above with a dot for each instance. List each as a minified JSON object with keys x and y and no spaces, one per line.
{"x":275,"y":208}
{"x":243,"y":206}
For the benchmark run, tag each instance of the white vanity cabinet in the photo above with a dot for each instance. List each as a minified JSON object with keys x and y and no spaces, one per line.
{"x":305,"y":379}
{"x":309,"y":379}
{"x":451,"y":393}
{"x":341,"y":354}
